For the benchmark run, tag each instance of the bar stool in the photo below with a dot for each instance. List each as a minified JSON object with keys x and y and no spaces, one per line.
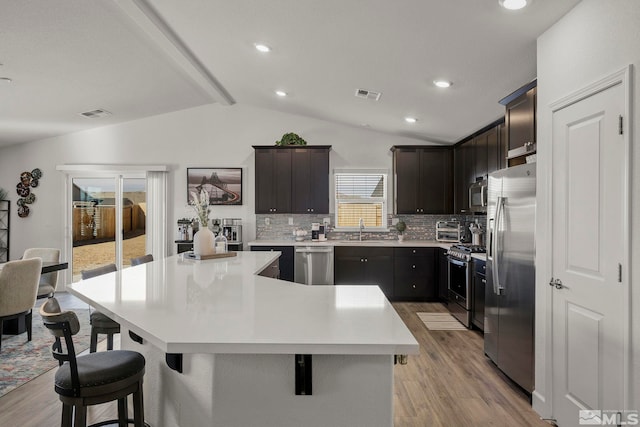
{"x":141,"y":260}
{"x":100,"y":322}
{"x":93,"y":378}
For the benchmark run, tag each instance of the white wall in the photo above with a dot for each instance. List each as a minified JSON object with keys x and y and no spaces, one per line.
{"x":213,"y":135}
{"x":594,"y":40}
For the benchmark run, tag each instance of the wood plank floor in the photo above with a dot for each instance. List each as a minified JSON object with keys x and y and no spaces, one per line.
{"x":451,"y":383}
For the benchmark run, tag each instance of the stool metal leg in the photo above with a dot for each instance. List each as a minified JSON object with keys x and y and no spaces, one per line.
{"x":94,"y":341}
{"x":109,"y":341}
{"x":138,"y":407}
{"x":80,"y":416}
{"x":67,"y":416}
{"x":122,"y":412}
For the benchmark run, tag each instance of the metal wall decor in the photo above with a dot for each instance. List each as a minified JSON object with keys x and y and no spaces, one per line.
{"x":28,"y":181}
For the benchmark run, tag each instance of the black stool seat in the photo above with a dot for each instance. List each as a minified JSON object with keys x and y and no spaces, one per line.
{"x":94,"y":378}
{"x":99,"y":372}
{"x":100,"y":323}
{"x":101,"y":320}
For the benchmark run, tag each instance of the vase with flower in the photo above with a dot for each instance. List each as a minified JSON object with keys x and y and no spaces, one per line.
{"x":203,"y":239}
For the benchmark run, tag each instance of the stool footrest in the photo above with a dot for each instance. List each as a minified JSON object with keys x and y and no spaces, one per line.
{"x":114,"y":423}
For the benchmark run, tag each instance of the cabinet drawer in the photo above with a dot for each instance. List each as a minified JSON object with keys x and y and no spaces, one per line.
{"x":407,"y":288}
{"x":411,"y":252}
{"x":407,"y":266}
{"x":362,"y":251}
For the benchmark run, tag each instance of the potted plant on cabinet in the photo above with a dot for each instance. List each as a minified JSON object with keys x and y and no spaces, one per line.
{"x":401,"y":226}
{"x":291,"y":139}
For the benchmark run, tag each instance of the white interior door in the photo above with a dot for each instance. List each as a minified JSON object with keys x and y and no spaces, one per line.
{"x":590,"y":241}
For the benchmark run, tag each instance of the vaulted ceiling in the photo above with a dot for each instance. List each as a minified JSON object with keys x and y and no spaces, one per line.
{"x":138,"y":58}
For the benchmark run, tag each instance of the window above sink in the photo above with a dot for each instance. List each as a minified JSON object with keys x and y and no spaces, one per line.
{"x":360,"y":199}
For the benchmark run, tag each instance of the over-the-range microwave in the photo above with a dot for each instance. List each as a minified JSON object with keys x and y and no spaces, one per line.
{"x":478,"y":196}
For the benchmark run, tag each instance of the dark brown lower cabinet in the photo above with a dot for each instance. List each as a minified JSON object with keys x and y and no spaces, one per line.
{"x":403,"y":274}
{"x":355,"y":265}
{"x":414,"y":271}
{"x":285,"y":262}
{"x":443,"y":275}
{"x":479,"y":286}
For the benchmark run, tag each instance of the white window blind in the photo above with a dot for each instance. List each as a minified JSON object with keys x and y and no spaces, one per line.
{"x":360,"y":195}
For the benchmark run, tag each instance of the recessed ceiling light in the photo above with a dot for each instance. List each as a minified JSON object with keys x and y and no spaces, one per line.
{"x":513,"y":4}
{"x":281,"y":93}
{"x":5,"y":80}
{"x":410,"y":119}
{"x":442,"y":83}
{"x":262,"y":47}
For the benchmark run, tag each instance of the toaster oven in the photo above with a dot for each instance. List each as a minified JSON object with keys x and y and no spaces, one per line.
{"x":448,"y":231}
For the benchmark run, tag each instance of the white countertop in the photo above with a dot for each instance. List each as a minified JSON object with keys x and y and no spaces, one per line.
{"x":222,"y":306}
{"x":384,"y":243}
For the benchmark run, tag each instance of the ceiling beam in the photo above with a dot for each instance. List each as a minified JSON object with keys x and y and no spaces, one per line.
{"x":147,"y":19}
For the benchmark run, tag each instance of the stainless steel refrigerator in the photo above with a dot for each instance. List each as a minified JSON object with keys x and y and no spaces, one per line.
{"x":510,"y":291}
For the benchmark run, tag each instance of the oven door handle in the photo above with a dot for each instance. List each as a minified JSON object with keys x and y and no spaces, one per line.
{"x":457,"y":262}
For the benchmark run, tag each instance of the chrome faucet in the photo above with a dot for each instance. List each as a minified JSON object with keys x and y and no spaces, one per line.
{"x":361,"y":226}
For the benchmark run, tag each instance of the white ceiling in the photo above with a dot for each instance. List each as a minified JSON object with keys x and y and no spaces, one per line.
{"x":138,"y":58}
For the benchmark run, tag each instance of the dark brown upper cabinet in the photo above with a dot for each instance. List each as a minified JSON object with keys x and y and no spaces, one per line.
{"x":474,"y":158}
{"x":423,"y":179}
{"x":464,"y":175}
{"x":496,"y":149}
{"x":480,"y":156}
{"x":292,"y":179}
{"x":520,"y":122}
{"x":310,"y":183}
{"x":273,"y":180}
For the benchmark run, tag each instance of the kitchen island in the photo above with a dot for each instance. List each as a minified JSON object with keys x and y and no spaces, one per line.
{"x":234,"y":335}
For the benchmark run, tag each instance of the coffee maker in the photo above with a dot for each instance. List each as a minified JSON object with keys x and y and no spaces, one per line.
{"x":315,"y":231}
{"x":318,"y":232}
{"x":232,"y":230}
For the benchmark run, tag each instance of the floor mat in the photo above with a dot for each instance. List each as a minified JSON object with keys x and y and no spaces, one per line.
{"x":441,"y":322}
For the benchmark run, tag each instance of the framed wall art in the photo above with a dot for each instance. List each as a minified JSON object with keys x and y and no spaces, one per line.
{"x":223,"y":185}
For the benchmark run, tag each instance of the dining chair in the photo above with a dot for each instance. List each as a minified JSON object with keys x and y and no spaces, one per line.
{"x":93,"y":378}
{"x":48,"y":281}
{"x":18,"y":291}
{"x":100,"y":322}
{"x":141,"y":260}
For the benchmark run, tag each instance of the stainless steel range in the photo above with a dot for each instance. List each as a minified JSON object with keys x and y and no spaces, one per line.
{"x":460,"y":274}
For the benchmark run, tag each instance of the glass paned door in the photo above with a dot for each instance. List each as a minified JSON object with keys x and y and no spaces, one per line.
{"x":134,"y":219}
{"x":93,"y":223}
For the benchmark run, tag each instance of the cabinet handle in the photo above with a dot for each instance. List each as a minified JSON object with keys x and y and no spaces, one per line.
{"x":365,"y":260}
{"x":311,"y":209}
{"x":484,"y":267}
{"x":361,"y":259}
{"x":414,"y":251}
{"x":413,"y":286}
{"x":484,"y":281}
{"x":413,"y":266}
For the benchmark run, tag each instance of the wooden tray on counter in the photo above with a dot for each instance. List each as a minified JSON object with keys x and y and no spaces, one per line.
{"x":191,"y":255}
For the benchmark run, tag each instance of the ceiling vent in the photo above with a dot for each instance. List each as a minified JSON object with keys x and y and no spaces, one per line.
{"x":368,"y":94}
{"x":95,"y":114}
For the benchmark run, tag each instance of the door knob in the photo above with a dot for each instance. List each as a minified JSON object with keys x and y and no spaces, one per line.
{"x":557,"y":283}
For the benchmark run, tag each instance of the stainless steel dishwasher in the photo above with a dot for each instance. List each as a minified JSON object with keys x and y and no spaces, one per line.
{"x":314,"y":265}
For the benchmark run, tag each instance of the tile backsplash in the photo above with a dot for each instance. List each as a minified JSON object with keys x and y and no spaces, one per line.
{"x":419,"y":227}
